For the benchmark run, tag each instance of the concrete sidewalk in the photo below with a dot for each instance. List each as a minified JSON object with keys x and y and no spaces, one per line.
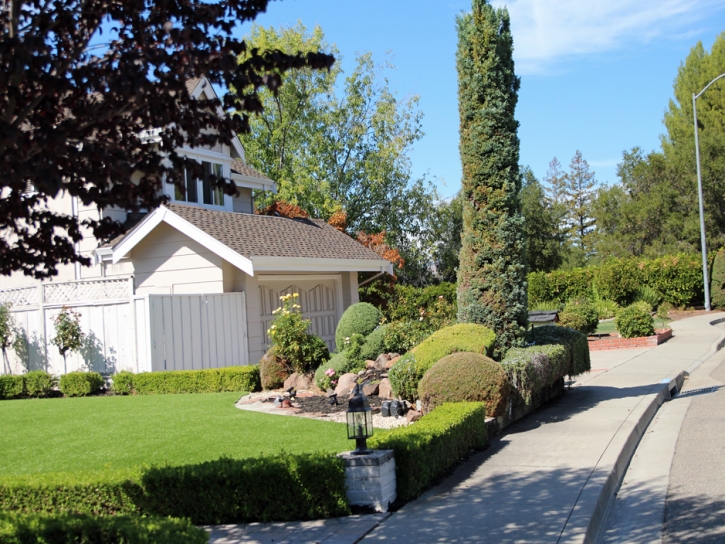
{"x":551,"y":477}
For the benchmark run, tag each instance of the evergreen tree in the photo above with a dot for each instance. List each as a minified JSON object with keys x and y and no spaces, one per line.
{"x":492,"y":272}
{"x":580,"y":187}
{"x":555,"y":178}
{"x":543,"y":238}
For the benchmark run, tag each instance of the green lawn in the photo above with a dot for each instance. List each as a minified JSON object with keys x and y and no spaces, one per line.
{"x":607,"y":327}
{"x":96,"y":433}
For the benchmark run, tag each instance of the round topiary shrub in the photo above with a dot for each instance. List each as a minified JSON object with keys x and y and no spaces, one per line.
{"x":404,"y":378}
{"x":361,"y":318}
{"x":80,"y":384}
{"x":581,"y":315}
{"x":273,"y":370}
{"x":338,"y":364}
{"x":462,"y":337}
{"x":374,"y":343}
{"x":465,"y":377}
{"x":635,"y":320}
{"x":122,"y":383}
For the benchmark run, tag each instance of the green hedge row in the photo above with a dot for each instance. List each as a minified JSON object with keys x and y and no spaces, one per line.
{"x":34,"y":384}
{"x":211,"y":380}
{"x":678,"y":278}
{"x":426,"y":451}
{"x":80,"y":384}
{"x":72,"y":529}
{"x":531,"y":370}
{"x":575,"y":343}
{"x":273,"y":488}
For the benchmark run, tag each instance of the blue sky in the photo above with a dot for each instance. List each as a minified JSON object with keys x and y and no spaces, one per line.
{"x":596,"y":75}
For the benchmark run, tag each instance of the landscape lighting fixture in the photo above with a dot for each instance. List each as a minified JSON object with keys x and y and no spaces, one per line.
{"x":359,"y":421}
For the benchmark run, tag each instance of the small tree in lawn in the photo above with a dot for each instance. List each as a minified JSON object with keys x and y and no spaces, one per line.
{"x":68,"y":334}
{"x":8,"y":334}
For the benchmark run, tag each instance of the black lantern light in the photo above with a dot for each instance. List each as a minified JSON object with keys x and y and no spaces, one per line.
{"x":359,"y":420}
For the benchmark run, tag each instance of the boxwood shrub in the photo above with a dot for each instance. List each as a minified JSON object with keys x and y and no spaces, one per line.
{"x":535,"y":368}
{"x":339,"y":363}
{"x":462,"y":337}
{"x":71,"y":529}
{"x":579,"y":314}
{"x":11,"y":387}
{"x":361,"y":318}
{"x":374,"y":343}
{"x":38,"y":383}
{"x":404,"y":377}
{"x":465,"y":377}
{"x":426,"y":451}
{"x":210,"y":380}
{"x":305,"y":486}
{"x":575,"y":343}
{"x":635,"y":320}
{"x":80,"y":384}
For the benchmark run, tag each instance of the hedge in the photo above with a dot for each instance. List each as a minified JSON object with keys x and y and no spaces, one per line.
{"x":272,"y":488}
{"x":361,"y":318}
{"x":635,"y":320}
{"x":34,"y":384}
{"x":80,"y":384}
{"x":574,"y":342}
{"x":71,"y":529}
{"x":677,"y":277}
{"x":535,"y":368}
{"x":427,"y":451}
{"x":211,"y":380}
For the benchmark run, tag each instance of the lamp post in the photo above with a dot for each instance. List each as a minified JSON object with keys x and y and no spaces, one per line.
{"x":359,"y":421}
{"x":703,"y":242}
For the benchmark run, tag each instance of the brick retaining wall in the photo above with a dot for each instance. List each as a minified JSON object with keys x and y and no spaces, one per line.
{"x":615,"y":342}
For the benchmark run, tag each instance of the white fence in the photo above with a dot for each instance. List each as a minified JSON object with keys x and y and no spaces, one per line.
{"x":127,"y":332}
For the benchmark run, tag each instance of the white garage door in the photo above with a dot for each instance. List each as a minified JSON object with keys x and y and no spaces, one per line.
{"x":318,"y":299}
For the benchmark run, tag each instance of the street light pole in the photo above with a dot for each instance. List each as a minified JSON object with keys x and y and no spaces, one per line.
{"x":703,"y":241}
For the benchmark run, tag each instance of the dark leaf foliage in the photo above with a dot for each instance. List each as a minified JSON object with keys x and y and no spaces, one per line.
{"x":83,"y":120}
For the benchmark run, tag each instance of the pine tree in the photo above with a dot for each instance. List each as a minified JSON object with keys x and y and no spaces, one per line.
{"x":492,"y":273}
{"x":555,"y":178}
{"x":579,"y":190}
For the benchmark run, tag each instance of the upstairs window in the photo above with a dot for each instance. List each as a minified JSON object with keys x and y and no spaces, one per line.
{"x":210,"y":195}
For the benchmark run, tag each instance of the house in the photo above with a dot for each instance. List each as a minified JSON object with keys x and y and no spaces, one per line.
{"x":194,"y":283}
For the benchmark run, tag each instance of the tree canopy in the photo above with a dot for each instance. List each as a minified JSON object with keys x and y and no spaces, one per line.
{"x":82,"y":120}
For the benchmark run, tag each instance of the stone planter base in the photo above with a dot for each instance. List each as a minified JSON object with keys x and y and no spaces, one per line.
{"x":370,"y":479}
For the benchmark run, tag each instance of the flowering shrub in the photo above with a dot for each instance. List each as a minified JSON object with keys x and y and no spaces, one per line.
{"x":68,"y":334}
{"x":288,"y":335}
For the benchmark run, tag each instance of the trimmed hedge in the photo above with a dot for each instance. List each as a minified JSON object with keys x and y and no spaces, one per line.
{"x":273,"y":488}
{"x":374,"y":343}
{"x":462,"y":337}
{"x":677,"y":277}
{"x":210,"y":380}
{"x":361,"y":318}
{"x":535,"y":368}
{"x":574,"y":342}
{"x":34,"y":384}
{"x":36,"y":529}
{"x":80,"y":384}
{"x":717,"y":283}
{"x":579,"y":314}
{"x":465,"y":377}
{"x":404,"y":378}
{"x":427,"y":451}
{"x":635,"y":320}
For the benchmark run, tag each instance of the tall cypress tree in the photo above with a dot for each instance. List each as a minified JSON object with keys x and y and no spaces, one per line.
{"x":492,"y":286}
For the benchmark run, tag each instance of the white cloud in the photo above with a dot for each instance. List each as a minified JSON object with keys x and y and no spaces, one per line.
{"x":548,"y":32}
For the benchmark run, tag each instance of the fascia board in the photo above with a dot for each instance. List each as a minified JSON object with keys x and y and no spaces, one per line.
{"x":300,"y":264}
{"x":149,"y":223}
{"x":253,"y":183}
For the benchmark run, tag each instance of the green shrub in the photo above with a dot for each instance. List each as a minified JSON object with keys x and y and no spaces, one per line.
{"x":80,"y":384}
{"x":465,"y":377}
{"x":210,"y":380}
{"x":339,"y":363}
{"x":617,"y":280}
{"x":122,"y":383}
{"x":374,"y":344}
{"x":11,"y":387}
{"x":429,"y":449}
{"x":717,"y":282}
{"x":434,"y":306}
{"x":402,"y":336}
{"x":547,"y":305}
{"x":38,"y":383}
{"x":361,"y":318}
{"x":352,"y":348}
{"x":605,"y":308}
{"x":576,"y":345}
{"x":273,"y":370}
{"x":404,"y":378}
{"x":635,"y":320}
{"x":649,"y":295}
{"x":663,"y":311}
{"x":579,"y":314}
{"x":222,"y":491}
{"x":462,"y":337}
{"x":72,"y":529}
{"x":532,"y":369}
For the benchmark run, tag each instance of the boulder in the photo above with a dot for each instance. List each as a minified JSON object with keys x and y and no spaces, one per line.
{"x":384,"y":389}
{"x":301,"y":382}
{"x":391,"y":362}
{"x":346,"y":383}
{"x":370,"y":389}
{"x":381,"y":361}
{"x":412,"y":416}
{"x":291,"y":381}
{"x":370,"y":364}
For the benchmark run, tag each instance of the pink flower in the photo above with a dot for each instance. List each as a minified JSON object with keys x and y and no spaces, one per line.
{"x":330,"y":372}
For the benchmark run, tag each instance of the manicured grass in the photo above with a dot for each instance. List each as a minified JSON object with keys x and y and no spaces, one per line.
{"x":97,"y":433}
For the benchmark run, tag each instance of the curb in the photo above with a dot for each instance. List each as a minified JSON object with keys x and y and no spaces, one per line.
{"x":590,"y":512}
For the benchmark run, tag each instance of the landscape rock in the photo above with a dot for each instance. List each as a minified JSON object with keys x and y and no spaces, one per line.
{"x":370,"y":364}
{"x":346,"y":383}
{"x":370,"y":389}
{"x":381,"y":361}
{"x":391,"y":362}
{"x":301,"y":382}
{"x":291,"y":381}
{"x":412,"y":416}
{"x":384,"y":389}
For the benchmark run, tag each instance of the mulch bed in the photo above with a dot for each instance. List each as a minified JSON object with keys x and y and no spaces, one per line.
{"x":321,"y":405}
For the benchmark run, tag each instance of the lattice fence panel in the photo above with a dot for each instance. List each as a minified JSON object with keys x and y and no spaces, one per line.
{"x":24,"y":296}
{"x":86,"y":291}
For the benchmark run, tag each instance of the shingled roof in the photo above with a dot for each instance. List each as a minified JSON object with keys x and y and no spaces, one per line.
{"x":240,"y":168}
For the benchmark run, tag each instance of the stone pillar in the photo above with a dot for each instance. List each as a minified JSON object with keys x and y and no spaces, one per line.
{"x":370,"y":479}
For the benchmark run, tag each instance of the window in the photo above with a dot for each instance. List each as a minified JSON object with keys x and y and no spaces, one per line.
{"x":211,"y":195}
